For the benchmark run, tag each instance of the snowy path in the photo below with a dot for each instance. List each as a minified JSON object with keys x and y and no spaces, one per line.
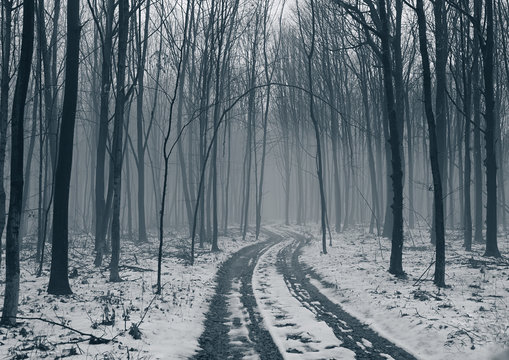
{"x":265,"y":307}
{"x":233,"y":326}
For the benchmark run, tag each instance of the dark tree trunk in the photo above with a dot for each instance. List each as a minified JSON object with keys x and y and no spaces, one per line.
{"x":140,"y":143}
{"x":441,"y":52}
{"x":227,"y":186}
{"x":410,"y":161}
{"x":371,"y":162}
{"x":4,"y":106}
{"x":248,"y":155}
{"x":396,"y":262}
{"x":433,"y":148}
{"x":478,"y":203}
{"x":489,"y":135}
{"x":316,"y":127}
{"x":334,"y":133}
{"x":50,"y":76}
{"x":12,"y":246}
{"x":100,"y":202}
{"x":180,"y":151}
{"x":215,"y":232}
{"x":118,"y":128}
{"x":388,"y":217}
{"x":167,"y":153}
{"x":264,"y":151}
{"x":466,"y":184}
{"x":301,"y":211}
{"x":28,"y":164}
{"x":467,"y":98}
{"x":59,"y":281}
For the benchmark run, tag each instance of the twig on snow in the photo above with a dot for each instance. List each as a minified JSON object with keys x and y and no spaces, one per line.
{"x":94,"y":340}
{"x":425,"y":271}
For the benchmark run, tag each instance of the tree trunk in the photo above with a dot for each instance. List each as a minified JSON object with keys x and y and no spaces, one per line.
{"x":142,"y":228}
{"x":100,"y":203}
{"x":12,"y":246}
{"x":489,"y":135}
{"x":478,"y":203}
{"x":396,"y":262}
{"x":118,"y":128}
{"x":4,"y":107}
{"x":441,"y":51}
{"x":28,"y":164}
{"x":439,"y":278}
{"x":59,"y":281}
{"x":467,"y":98}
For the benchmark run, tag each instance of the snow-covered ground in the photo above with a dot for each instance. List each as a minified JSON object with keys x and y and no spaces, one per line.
{"x":171,"y":322}
{"x":294,"y":328}
{"x":467,"y":320}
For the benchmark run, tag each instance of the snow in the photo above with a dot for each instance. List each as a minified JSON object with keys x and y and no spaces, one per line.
{"x":467,"y":320}
{"x":294,"y":328}
{"x":173,"y":321}
{"x":239,"y":322}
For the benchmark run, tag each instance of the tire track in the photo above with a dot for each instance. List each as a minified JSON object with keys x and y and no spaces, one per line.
{"x":356,"y":336}
{"x":234,"y":279}
{"x":234,"y":326}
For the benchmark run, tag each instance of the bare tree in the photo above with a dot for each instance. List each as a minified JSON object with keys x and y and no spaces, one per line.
{"x":319,"y":162}
{"x":118,"y":128}
{"x":4,"y":104}
{"x":12,"y":270}
{"x":433,"y":148}
{"x":59,"y":281}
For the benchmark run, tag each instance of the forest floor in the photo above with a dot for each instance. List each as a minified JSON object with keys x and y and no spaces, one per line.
{"x":275,"y":298}
{"x":469,"y":319}
{"x":125,"y":320}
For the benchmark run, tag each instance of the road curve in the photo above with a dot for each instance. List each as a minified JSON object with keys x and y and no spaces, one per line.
{"x":235,"y":327}
{"x":234,"y":282}
{"x":356,"y":336}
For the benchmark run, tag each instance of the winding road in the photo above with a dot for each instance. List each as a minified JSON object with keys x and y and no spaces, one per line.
{"x":266,"y":307}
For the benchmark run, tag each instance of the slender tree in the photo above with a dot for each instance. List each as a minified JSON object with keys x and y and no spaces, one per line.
{"x":396,"y":262}
{"x":433,"y":149}
{"x":488,"y":51}
{"x":59,"y":281}
{"x":102,"y":137}
{"x":118,"y":128}
{"x":314,"y":120}
{"x":12,"y":245}
{"x":4,"y":104}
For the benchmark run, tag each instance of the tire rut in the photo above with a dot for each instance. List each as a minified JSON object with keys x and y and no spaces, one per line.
{"x":215,"y":340}
{"x":356,"y":336}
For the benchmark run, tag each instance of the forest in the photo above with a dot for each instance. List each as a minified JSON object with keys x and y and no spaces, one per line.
{"x":254,"y":179}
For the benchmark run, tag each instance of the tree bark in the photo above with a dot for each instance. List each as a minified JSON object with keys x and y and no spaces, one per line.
{"x":100,"y":202}
{"x":478,"y":203}
{"x":12,"y":246}
{"x":467,"y":98}
{"x":118,"y":128}
{"x":59,"y":281}
{"x":489,"y":135}
{"x":396,"y":262}
{"x":142,"y":228}
{"x":4,"y":106}
{"x":439,"y":278}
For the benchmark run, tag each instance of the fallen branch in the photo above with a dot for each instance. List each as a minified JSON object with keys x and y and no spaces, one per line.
{"x":94,"y":340}
{"x":130,"y":267}
{"x":135,"y":268}
{"x":425,"y":271}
